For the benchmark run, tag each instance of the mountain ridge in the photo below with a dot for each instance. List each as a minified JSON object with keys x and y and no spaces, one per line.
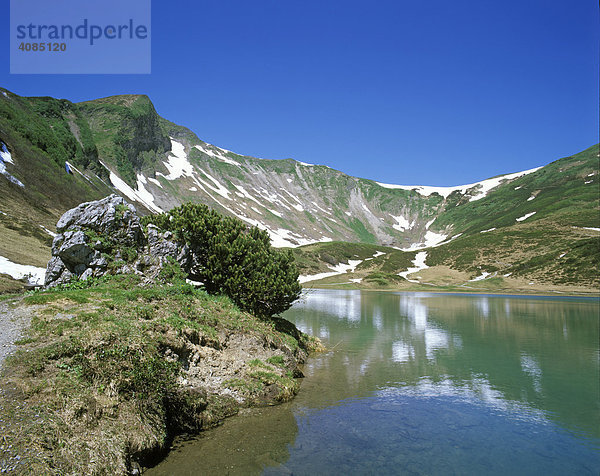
{"x":121,"y":143}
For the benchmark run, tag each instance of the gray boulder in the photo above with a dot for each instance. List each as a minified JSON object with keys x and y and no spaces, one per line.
{"x":76,"y":250}
{"x":95,"y":234}
{"x":111,"y":215}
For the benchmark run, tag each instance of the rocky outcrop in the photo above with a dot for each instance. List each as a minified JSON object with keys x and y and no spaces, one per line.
{"x":104,"y":236}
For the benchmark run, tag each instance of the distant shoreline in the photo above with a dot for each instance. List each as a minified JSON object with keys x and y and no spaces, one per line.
{"x":519,"y":293}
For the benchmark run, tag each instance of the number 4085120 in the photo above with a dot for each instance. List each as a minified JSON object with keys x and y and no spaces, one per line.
{"x":43,"y":47}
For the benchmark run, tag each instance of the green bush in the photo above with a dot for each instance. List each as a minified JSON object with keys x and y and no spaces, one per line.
{"x":233,"y":259}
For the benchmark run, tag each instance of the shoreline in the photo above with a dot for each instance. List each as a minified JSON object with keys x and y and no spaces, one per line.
{"x":107,"y":376}
{"x":509,"y":292}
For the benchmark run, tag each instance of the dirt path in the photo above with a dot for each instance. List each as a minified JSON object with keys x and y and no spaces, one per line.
{"x":14,"y":318}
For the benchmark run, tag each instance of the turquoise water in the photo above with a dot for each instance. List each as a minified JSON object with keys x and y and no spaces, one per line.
{"x":419,"y":383}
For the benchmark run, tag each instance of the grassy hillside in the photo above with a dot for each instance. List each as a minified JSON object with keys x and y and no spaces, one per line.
{"x":41,"y":134}
{"x":108,"y":374}
{"x":566,"y":191}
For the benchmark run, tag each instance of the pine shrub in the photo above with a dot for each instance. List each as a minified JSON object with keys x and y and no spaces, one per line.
{"x":233,"y":259}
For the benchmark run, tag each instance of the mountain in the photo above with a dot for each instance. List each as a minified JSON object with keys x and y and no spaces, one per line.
{"x":518,"y":224}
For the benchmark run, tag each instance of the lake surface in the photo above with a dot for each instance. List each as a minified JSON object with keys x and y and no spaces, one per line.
{"x":418,"y":383}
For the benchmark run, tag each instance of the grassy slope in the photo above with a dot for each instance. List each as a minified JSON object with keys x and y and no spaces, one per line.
{"x":37,"y":146}
{"x":560,"y":194}
{"x":94,"y":389}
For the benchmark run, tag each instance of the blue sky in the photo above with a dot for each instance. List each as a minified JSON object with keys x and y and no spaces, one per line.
{"x":409,"y":92}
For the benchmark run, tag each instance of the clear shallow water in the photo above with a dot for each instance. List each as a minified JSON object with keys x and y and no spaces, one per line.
{"x":425,"y":384}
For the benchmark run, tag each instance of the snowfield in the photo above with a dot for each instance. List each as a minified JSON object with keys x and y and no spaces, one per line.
{"x":431,"y":239}
{"x":484,"y":275}
{"x":402,"y":223}
{"x":19,"y":271}
{"x":142,"y":196}
{"x":177,"y":163}
{"x":6,"y":157}
{"x":483,"y":187}
{"x":340,"y":268}
{"x":220,"y":154}
{"x":525,"y":217}
{"x":51,"y":233}
{"x":419,"y":264}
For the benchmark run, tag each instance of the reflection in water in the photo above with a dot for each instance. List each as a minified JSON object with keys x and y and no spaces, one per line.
{"x":433,"y":384}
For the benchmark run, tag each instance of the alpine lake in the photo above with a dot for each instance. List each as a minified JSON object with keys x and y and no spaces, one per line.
{"x":419,"y":383}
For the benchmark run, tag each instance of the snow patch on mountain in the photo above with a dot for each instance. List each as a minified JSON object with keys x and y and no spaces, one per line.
{"x":177,"y":163}
{"x":72,"y":167}
{"x":431,"y":239}
{"x":142,"y":195}
{"x":6,"y":157}
{"x":340,"y":268}
{"x":419,"y":264}
{"x":34,"y":274}
{"x":155,"y":182}
{"x":298,"y":206}
{"x":218,"y":187}
{"x":402,"y":223}
{"x":275,"y":212}
{"x":525,"y":217}
{"x":484,"y":275}
{"x":247,"y":195}
{"x":51,"y":233}
{"x":488,"y":230}
{"x":10,"y":177}
{"x":325,"y":211}
{"x":482,"y":190}
{"x":280,"y":238}
{"x":217,"y":155}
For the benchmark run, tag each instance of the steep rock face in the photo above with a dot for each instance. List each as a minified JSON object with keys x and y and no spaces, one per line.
{"x":127,"y":131}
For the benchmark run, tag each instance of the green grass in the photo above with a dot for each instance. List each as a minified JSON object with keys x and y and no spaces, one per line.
{"x":312,"y":259}
{"x":96,"y":358}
